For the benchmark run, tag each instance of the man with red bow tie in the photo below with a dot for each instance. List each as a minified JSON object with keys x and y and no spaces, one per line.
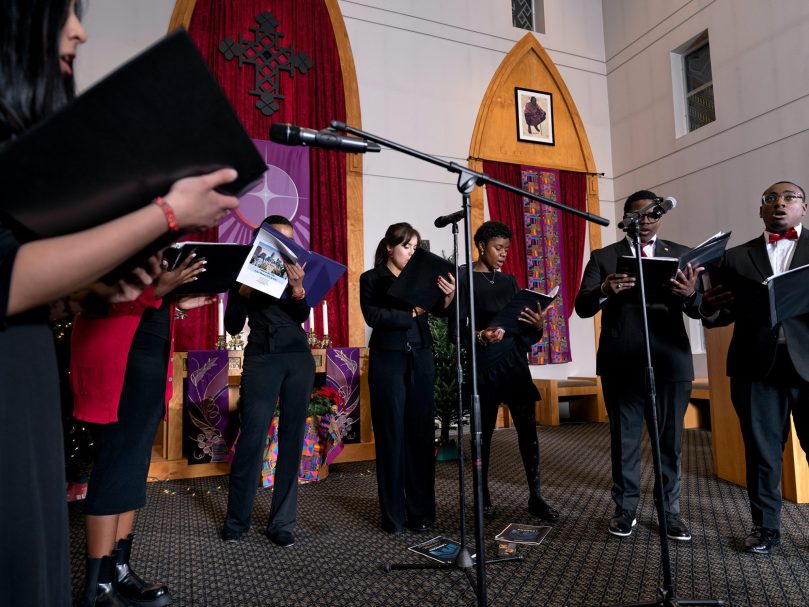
{"x":768,"y":368}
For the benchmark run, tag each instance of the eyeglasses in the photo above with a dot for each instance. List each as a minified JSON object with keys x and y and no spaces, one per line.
{"x":649,"y":219}
{"x":787,"y":197}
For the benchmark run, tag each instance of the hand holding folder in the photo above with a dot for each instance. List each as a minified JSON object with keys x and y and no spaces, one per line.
{"x":223,"y":262}
{"x":417,"y":285}
{"x":508,"y":318}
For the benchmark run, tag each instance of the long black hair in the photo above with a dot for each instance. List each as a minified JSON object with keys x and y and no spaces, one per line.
{"x":397,"y":233}
{"x":32,"y":85}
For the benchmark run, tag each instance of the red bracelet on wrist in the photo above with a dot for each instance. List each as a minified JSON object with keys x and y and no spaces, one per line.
{"x":168,"y":212}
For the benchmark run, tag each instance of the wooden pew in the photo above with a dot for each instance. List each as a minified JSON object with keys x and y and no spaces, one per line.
{"x":584,"y":394}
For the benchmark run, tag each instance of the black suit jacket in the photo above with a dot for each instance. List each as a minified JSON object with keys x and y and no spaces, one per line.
{"x":752,"y":348}
{"x":390,"y":318}
{"x":621,"y":348}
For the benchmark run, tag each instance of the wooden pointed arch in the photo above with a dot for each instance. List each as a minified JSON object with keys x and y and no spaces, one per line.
{"x":528,"y":66}
{"x":181,"y":17}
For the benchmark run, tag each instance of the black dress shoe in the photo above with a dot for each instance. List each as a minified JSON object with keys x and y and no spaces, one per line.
{"x":131,"y":586}
{"x":762,"y":540}
{"x":541,"y":509}
{"x":419,"y":526}
{"x":230,"y":536}
{"x":676,"y":529}
{"x":622,"y":523}
{"x":285,"y":539}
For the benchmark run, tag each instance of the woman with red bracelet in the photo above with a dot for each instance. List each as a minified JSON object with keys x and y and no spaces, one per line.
{"x":38,"y":43}
{"x":278,"y":368}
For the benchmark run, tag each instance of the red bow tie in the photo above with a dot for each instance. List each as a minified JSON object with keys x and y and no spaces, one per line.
{"x":790,"y":234}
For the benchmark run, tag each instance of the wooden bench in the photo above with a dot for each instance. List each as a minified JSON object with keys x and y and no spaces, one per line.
{"x":700,"y":390}
{"x":583,"y":393}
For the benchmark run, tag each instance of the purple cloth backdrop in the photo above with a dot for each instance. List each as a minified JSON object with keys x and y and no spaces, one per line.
{"x":343,"y":374}
{"x":206,"y":407}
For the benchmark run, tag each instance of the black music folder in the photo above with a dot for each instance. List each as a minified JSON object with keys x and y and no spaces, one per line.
{"x":657,"y":272}
{"x":156,"y":119}
{"x":776,"y":299}
{"x":707,"y":253}
{"x":417,"y":284}
{"x":508,"y":318}
{"x":223,"y":262}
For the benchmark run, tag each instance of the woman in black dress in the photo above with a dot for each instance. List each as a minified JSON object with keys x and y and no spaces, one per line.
{"x":502,"y":364}
{"x":278,"y":367}
{"x":38,"y":42}
{"x":401,"y":374}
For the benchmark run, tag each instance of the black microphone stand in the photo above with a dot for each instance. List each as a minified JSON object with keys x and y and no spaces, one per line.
{"x":467,"y":180}
{"x":666,"y":594}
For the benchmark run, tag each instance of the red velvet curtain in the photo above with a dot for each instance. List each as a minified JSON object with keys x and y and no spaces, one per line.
{"x":573,"y":193}
{"x":310,"y":100}
{"x":507,"y":208}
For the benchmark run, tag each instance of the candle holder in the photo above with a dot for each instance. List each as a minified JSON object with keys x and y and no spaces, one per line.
{"x":221,"y":343}
{"x":235,"y":342}
{"x":314,"y":342}
{"x":326,"y":343}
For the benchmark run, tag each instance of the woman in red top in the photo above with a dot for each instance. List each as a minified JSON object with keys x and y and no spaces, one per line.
{"x":119,"y":363}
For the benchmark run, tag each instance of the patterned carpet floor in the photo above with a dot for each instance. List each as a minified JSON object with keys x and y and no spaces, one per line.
{"x":339,"y":555}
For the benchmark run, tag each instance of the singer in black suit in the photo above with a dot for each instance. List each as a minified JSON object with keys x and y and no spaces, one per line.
{"x":401,"y":377}
{"x":278,"y":368}
{"x":768,"y":368}
{"x":621,"y":363}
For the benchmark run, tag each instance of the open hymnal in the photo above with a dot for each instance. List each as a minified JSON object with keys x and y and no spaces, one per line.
{"x":508,"y":318}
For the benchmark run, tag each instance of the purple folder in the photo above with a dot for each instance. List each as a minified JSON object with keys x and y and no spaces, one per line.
{"x":321,"y":273}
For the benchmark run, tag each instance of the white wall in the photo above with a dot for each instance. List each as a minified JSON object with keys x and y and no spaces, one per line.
{"x":116,"y":31}
{"x":423,"y":68}
{"x":761,"y":94}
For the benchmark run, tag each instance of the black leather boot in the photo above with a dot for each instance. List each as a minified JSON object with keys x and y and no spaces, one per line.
{"x":100,"y":583}
{"x":131,"y":586}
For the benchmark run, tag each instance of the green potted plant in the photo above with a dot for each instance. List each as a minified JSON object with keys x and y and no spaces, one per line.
{"x":446,"y":386}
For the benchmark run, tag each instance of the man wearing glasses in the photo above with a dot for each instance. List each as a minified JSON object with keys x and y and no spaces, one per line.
{"x":768,"y":369}
{"x":621,"y":363}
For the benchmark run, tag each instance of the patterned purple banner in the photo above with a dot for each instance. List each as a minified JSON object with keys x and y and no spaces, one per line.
{"x":343,"y":374}
{"x":206,"y":407}
{"x":283,"y":190}
{"x":544,"y":259}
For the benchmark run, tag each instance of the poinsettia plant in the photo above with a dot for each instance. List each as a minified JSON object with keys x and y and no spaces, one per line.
{"x":324,"y":401}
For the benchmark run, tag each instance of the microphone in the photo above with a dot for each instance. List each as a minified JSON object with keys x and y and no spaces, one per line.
{"x":657,"y":209}
{"x":663,"y":206}
{"x":289,"y":134}
{"x":445,"y":220}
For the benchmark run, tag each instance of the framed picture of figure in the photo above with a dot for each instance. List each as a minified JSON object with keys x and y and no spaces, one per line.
{"x":534,"y":110}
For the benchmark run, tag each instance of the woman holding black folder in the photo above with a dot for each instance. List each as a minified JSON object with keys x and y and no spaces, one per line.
{"x":38,"y":42}
{"x":502,"y":364}
{"x":401,"y":375}
{"x":278,"y":368}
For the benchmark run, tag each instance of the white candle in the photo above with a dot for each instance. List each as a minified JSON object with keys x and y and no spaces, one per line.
{"x":221,"y":314}
{"x":311,"y":319}
{"x":325,"y":318}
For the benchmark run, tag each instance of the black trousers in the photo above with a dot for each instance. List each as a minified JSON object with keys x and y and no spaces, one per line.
{"x":515,"y":389}
{"x":626,"y":404}
{"x":123,"y":449}
{"x":403,"y":417}
{"x":289,"y":376}
{"x":763,"y":407}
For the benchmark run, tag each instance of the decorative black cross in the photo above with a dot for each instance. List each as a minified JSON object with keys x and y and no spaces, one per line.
{"x":268,"y":59}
